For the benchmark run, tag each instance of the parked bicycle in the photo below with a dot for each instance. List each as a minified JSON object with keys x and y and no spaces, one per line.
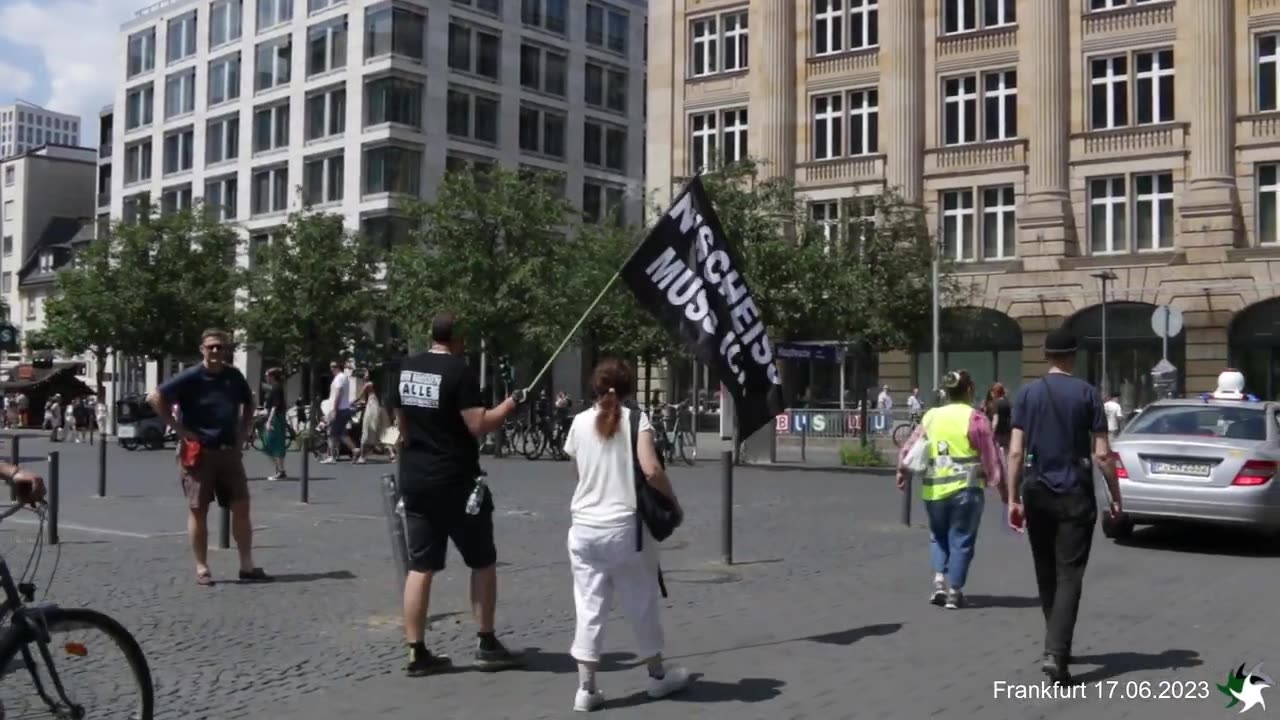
{"x":93,"y":651}
{"x":902,"y":431}
{"x":672,"y":435}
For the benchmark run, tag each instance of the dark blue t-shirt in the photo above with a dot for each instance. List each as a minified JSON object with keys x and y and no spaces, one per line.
{"x":210,"y":403}
{"x":1058,"y":415}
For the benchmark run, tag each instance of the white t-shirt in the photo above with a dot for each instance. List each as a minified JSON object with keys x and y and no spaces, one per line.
{"x":913,"y":404}
{"x":1113,"y":413}
{"x":884,"y":401}
{"x":338,"y":392}
{"x":606,"y":492}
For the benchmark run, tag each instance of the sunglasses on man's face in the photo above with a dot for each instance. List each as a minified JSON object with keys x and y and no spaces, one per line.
{"x":213,"y":348}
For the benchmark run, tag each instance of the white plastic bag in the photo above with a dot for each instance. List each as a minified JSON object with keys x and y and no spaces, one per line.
{"x":917,"y":457}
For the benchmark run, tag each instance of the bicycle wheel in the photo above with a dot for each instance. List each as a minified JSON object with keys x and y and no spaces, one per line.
{"x":256,"y":440}
{"x":901,"y":433}
{"x":687,"y":445}
{"x":92,"y":667}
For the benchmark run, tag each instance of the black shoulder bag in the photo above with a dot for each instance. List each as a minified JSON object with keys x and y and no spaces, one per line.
{"x":654,"y":511}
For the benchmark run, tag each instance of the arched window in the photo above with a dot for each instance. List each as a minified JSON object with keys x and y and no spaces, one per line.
{"x":1133,"y":349}
{"x":1254,"y":342}
{"x":983,"y":341}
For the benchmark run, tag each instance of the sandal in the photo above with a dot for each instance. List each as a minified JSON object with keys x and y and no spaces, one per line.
{"x":255,"y":575}
{"x":204,"y":578}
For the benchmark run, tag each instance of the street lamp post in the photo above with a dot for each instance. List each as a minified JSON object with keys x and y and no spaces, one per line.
{"x":937,"y":319}
{"x":1104,"y":276}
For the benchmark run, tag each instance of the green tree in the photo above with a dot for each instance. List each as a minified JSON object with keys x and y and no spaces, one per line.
{"x":312,"y":292}
{"x":85,"y":314}
{"x":496,"y":248}
{"x":619,"y":325}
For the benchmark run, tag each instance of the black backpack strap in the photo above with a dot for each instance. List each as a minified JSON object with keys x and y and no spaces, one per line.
{"x":634,"y":421}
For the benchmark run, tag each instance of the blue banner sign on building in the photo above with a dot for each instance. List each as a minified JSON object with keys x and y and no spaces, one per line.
{"x":834,"y":423}
{"x":801,"y":351}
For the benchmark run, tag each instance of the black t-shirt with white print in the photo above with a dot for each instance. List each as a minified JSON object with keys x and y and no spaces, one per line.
{"x":439,"y":451}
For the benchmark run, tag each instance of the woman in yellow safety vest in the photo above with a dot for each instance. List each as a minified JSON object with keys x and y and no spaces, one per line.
{"x":962,"y":461}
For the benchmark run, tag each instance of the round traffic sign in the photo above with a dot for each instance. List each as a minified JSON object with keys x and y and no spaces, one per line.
{"x":1166,"y":321}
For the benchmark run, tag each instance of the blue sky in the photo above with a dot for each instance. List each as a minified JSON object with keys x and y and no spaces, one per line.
{"x":62,"y":54}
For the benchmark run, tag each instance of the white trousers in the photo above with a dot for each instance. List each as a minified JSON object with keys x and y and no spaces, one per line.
{"x":606,"y":565}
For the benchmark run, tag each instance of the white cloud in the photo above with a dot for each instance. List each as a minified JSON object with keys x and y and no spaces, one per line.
{"x":76,"y":42}
{"x":15,"y":81}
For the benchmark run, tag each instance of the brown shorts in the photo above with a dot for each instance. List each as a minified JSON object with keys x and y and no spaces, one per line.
{"x":219,"y":475}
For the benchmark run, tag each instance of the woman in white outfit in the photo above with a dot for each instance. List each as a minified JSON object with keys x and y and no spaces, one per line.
{"x":602,"y":539}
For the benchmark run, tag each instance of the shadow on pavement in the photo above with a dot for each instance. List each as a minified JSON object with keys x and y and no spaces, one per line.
{"x":1001,"y":601}
{"x":842,"y":637}
{"x":1204,"y":540}
{"x":1119,"y":663}
{"x":700,"y":577}
{"x":290,"y":479}
{"x":562,"y":663}
{"x":296,"y":578}
{"x":746,"y":690}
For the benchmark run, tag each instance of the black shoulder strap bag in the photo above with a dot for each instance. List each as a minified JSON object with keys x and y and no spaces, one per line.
{"x":654,"y":510}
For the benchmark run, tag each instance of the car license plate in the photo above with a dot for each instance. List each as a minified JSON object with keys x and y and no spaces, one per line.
{"x":1182,"y":468}
{"x":126,"y":431}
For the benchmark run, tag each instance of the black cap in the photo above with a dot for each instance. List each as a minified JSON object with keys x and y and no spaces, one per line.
{"x":1061,"y":342}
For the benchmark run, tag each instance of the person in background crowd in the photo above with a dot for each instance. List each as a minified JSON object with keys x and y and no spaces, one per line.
{"x":1059,"y":436}
{"x":602,"y":538}
{"x":275,"y":433}
{"x":441,"y":415}
{"x":884,"y":403}
{"x":373,"y":421}
{"x":100,"y":418}
{"x":339,"y":416}
{"x":69,"y":421}
{"x":1000,"y":412}
{"x":53,"y":418}
{"x":24,"y":411}
{"x":914,"y":406}
{"x":1114,"y":412}
{"x":963,"y":460}
{"x":214,"y":415}
{"x":80,"y":416}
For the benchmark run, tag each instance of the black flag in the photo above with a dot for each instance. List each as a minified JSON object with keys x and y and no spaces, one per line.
{"x":707,"y":305}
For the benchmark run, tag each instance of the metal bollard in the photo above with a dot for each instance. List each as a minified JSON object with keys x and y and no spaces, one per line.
{"x":395,"y":526}
{"x":863,"y":421}
{"x":224,"y":529}
{"x":102,"y":467}
{"x":804,"y":434}
{"x":52,"y":517}
{"x":726,"y":507}
{"x":304,"y":478}
{"x":906,"y":500}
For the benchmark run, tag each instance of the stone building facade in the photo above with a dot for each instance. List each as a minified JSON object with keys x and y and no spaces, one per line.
{"x":1050,"y":142}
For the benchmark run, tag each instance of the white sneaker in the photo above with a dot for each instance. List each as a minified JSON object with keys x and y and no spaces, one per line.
{"x":586,"y":701}
{"x":676,"y":679}
{"x":327,"y":461}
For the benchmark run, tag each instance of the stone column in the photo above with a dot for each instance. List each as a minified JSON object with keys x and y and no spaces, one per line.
{"x":1209,"y":58}
{"x":902,"y":28}
{"x":666,"y":107}
{"x":1044,"y":87}
{"x":771,"y":110}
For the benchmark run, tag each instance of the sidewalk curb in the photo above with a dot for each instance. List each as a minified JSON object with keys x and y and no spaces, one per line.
{"x":843,"y":469}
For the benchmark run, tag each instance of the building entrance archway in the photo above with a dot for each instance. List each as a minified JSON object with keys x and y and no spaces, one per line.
{"x":1133,"y":349}
{"x":983,"y":341}
{"x":1254,"y":343}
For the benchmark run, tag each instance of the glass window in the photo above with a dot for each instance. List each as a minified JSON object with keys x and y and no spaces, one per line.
{"x":1268,"y":59}
{"x":327,"y":46}
{"x":274,"y":12}
{"x":960,"y":110}
{"x":225,"y":21}
{"x":272,"y":66}
{"x":1268,"y":175}
{"x":550,"y":15}
{"x":137,"y":162}
{"x":222,"y":139}
{"x":542,"y":131}
{"x":864,"y":122}
{"x":394,"y":31}
{"x":393,"y":100}
{"x":1108,"y":213}
{"x":178,"y":148}
{"x":180,"y":38}
{"x":1235,"y":422}
{"x":142,"y":56}
{"x":270,"y":190}
{"x":326,"y":113}
{"x":1153,"y":211}
{"x":474,"y":51}
{"x":322,"y":179}
{"x":220,"y":198}
{"x":271,"y":128}
{"x":180,"y":94}
{"x":224,"y":79}
{"x":999,"y":233}
{"x":393,"y":169}
{"x":595,"y":25}
{"x":1154,"y":87}
{"x":958,"y":225}
{"x":1109,"y":92}
{"x":139,"y":106}
{"x":1000,"y":105}
{"x":828,"y":126}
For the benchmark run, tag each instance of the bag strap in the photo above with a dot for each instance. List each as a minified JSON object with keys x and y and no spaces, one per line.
{"x":633,"y":417}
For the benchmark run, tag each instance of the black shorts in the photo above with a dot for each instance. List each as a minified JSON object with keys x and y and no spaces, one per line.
{"x":433,"y":517}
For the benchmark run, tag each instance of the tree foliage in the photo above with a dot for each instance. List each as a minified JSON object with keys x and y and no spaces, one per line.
{"x":496,"y":248}
{"x":83,"y":316}
{"x":312,"y":291}
{"x":619,"y":325}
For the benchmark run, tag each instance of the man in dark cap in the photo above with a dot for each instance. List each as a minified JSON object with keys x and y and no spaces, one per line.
{"x":440,"y":414}
{"x":1059,"y":437}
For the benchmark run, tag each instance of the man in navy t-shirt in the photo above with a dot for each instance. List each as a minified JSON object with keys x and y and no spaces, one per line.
{"x":1059,"y":435}
{"x":215,"y":414}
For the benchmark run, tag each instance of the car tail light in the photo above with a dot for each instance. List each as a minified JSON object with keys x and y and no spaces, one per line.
{"x":1121,"y":473}
{"x":1255,"y":472}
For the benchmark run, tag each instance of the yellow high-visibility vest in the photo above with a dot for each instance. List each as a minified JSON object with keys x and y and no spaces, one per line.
{"x":953,"y":461}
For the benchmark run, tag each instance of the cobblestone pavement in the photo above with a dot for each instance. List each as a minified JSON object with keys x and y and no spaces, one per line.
{"x":823,"y":614}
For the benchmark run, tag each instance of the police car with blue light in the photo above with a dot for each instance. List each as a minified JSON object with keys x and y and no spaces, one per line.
{"x":1210,"y":459}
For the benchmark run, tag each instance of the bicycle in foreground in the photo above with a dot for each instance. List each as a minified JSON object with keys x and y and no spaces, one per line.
{"x":67,"y":653}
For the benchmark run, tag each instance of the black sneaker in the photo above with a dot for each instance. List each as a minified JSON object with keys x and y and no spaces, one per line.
{"x":498,"y":658}
{"x":423,"y":663}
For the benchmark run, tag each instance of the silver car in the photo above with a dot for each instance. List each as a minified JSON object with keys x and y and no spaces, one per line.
{"x":1203,"y":460}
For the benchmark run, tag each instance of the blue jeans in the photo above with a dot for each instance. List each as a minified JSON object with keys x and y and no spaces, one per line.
{"x":953,"y":531}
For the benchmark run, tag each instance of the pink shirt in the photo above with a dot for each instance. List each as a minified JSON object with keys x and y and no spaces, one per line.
{"x":980,"y":437}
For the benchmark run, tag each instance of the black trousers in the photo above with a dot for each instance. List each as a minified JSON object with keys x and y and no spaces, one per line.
{"x":1060,"y":526}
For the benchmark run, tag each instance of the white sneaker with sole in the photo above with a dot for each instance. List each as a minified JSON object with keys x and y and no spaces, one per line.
{"x":586,"y":701}
{"x":675,"y":680}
